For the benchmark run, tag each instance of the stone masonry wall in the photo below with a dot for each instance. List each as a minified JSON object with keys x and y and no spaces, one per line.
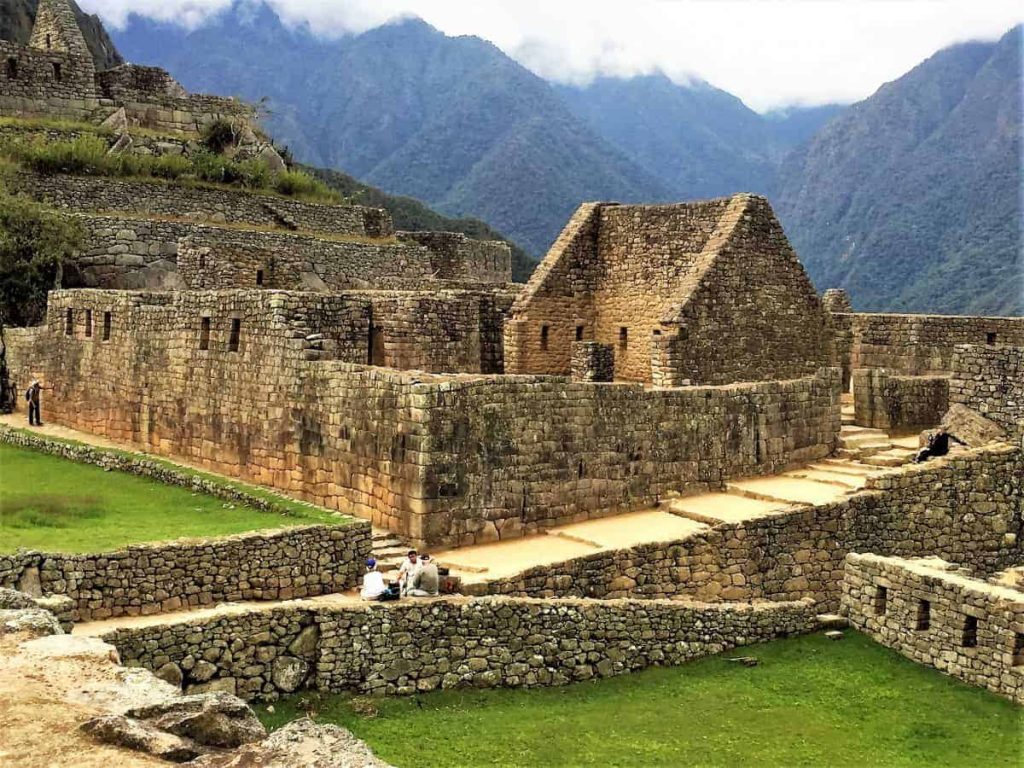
{"x":968,"y":509}
{"x":933,"y":615}
{"x":901,"y":403}
{"x":990,"y":380}
{"x":457,"y":257}
{"x":410,"y":647}
{"x":921,"y":345}
{"x":154,"y":578}
{"x":38,"y":83}
{"x":81,"y":193}
{"x":438,"y":458}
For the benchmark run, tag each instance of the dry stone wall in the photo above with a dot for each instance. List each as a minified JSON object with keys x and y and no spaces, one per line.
{"x":966,"y":509}
{"x":899,"y":403}
{"x":81,"y":193}
{"x":155,"y":578}
{"x":934,"y":615}
{"x":410,"y":647}
{"x":36,"y":83}
{"x":990,"y":381}
{"x":457,"y":257}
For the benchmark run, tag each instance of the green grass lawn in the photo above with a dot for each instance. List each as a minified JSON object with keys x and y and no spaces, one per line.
{"x":56,"y":505}
{"x":810,"y":702}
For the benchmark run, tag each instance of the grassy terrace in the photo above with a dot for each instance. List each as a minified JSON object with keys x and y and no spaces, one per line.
{"x":812,"y":701}
{"x":56,"y":505}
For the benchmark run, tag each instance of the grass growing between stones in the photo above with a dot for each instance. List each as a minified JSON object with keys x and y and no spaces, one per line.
{"x":55,"y":505}
{"x":810,"y":702}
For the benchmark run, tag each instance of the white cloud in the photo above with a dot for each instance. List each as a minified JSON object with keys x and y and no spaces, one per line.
{"x":767,"y":52}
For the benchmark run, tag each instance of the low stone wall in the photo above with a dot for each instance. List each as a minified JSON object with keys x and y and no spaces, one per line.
{"x":82,"y":193}
{"x":967,"y":509}
{"x":415,"y":646}
{"x":153,"y":578}
{"x":922,"y":608}
{"x":906,"y":403}
{"x":990,"y":380}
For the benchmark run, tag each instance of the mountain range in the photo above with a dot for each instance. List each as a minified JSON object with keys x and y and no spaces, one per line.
{"x":909,"y":198}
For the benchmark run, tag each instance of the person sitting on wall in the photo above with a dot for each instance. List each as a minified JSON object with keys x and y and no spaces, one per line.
{"x":373,"y":582}
{"x":427,"y":580}
{"x":33,"y":395}
{"x":407,"y":572}
{"x":938,"y":445}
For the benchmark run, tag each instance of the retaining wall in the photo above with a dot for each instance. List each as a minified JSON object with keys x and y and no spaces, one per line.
{"x":990,"y":380}
{"x":933,"y":615}
{"x":416,"y":646}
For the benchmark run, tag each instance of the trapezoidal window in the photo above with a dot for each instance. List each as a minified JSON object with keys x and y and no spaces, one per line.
{"x":204,"y":333}
{"x":924,"y":615}
{"x":881,"y":600}
{"x":49,"y":43}
{"x":623,"y":337}
{"x":69,"y":322}
{"x":259,"y":277}
{"x":990,"y":337}
{"x":57,"y":74}
{"x":236,"y":335}
{"x":88,"y":323}
{"x":106,"y":326}
{"x":1018,"y":649}
{"x":579,"y":333}
{"x":544,"y":337}
{"x":970,"y":635}
{"x":12,"y":69}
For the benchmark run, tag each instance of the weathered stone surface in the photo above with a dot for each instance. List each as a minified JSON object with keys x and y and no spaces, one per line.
{"x":34,"y":622}
{"x":300,"y":744}
{"x":209,"y":719}
{"x":289,"y":673}
{"x":971,"y":427}
{"x":125,"y":732}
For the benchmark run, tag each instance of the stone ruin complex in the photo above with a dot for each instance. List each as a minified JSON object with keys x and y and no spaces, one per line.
{"x":658,"y":354}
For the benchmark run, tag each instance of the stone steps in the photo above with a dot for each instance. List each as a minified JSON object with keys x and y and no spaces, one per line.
{"x":842,"y":467}
{"x":788,"y":490}
{"x":838,"y":479}
{"x":894,"y":457}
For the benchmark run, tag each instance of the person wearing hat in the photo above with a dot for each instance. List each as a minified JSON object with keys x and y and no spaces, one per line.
{"x":373,"y":582}
{"x":426,"y":581}
{"x":33,"y":397}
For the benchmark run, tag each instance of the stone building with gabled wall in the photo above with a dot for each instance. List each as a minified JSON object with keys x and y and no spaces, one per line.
{"x":706,"y":292}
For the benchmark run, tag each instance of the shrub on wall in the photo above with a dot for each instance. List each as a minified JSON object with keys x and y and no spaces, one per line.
{"x":34,"y":243}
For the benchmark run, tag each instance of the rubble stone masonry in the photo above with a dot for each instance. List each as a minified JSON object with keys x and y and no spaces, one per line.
{"x":990,"y":380}
{"x":935,"y":615}
{"x":899,"y":403}
{"x":410,"y":647}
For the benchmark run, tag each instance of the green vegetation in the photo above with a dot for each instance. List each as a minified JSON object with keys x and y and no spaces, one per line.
{"x":56,"y":505}
{"x":811,"y":701}
{"x":34,"y":243}
{"x":89,"y":155}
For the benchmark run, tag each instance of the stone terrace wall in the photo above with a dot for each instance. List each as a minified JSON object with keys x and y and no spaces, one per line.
{"x":153,"y":578}
{"x":410,"y":647}
{"x":966,"y":509}
{"x":457,"y":257}
{"x":921,"y":345}
{"x":990,"y":380}
{"x":974,"y":631}
{"x":908,"y":403}
{"x":151,"y":254}
{"x":513,"y":455}
{"x":81,"y":193}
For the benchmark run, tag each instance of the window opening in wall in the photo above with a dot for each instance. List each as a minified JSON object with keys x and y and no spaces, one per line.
{"x":12,"y":69}
{"x":49,"y":43}
{"x":881,"y":600}
{"x":1018,"y":649}
{"x":579,"y":333}
{"x":88,"y":323}
{"x":106,"y":326}
{"x":990,"y":337}
{"x":236,"y":334}
{"x":924,"y":615}
{"x":56,"y":71}
{"x":970,"y":638}
{"x":202,"y":261}
{"x":543,"y":337}
{"x":204,"y":333}
{"x":69,"y":323}
{"x":623,"y":337}
{"x":259,"y":277}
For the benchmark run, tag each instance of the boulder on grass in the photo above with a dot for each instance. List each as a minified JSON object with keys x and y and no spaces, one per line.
{"x":209,"y":719}
{"x":125,"y":732}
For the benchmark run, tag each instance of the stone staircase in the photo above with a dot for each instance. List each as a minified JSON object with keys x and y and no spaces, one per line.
{"x":389,"y":549}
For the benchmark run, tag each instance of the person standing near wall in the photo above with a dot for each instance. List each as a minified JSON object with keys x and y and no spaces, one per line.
{"x":33,"y":395}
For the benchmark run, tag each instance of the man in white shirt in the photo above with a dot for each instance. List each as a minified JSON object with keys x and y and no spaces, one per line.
{"x":408,"y":571}
{"x":373,"y":582}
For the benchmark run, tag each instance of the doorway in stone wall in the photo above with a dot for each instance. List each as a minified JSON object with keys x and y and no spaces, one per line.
{"x":375,"y":345}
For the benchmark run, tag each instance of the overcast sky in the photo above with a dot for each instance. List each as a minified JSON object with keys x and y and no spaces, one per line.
{"x":770,"y":53}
